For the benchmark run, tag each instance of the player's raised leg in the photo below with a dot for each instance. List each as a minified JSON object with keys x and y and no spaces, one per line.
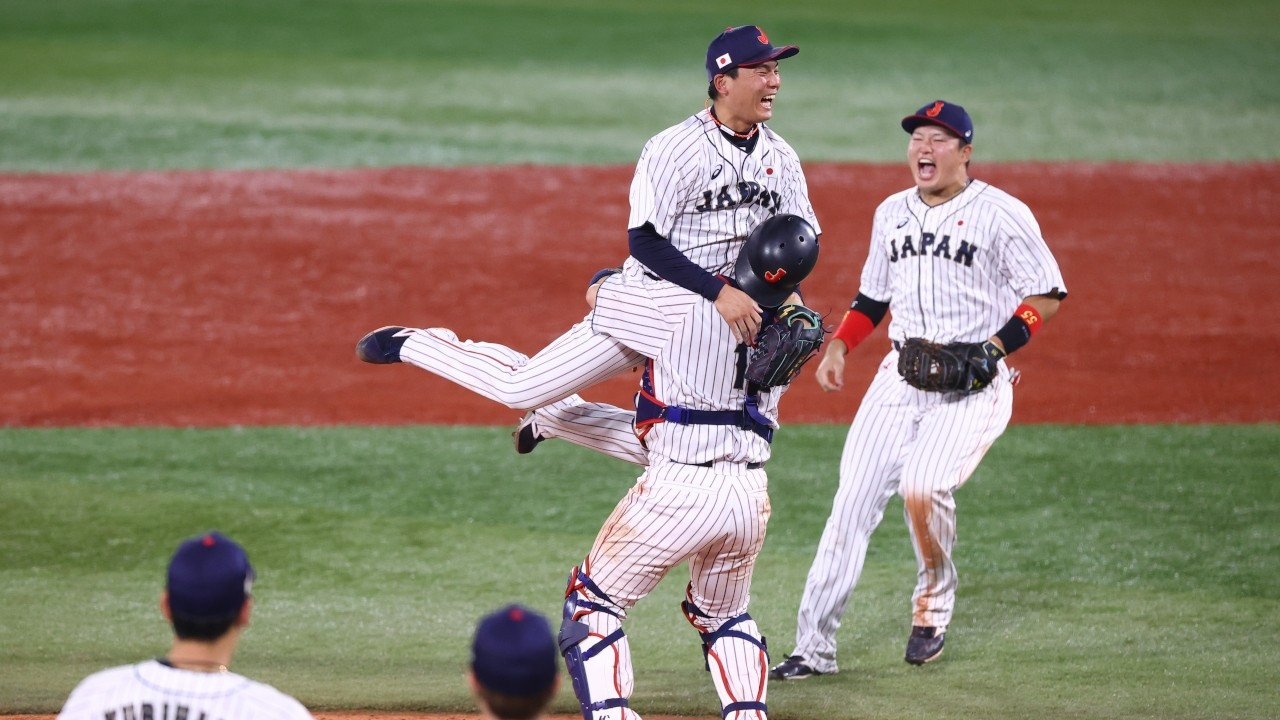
{"x":604,"y":428}
{"x":574,"y":361}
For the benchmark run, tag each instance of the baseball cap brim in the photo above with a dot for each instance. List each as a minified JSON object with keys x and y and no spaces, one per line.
{"x":785,"y":51}
{"x":911,"y":122}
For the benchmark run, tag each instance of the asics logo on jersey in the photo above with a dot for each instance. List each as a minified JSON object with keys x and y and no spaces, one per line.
{"x":930,"y":245}
{"x":773,"y":276}
{"x":727,"y":197}
{"x":716,"y":173}
{"x":903,"y":223}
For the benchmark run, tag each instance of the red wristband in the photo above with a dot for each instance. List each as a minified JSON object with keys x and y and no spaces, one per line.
{"x":854,"y":328}
{"x":1030,"y":316}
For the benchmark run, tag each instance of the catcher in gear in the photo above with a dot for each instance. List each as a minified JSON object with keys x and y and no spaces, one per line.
{"x":712,"y":472}
{"x":646,"y":535}
{"x":697,"y":377}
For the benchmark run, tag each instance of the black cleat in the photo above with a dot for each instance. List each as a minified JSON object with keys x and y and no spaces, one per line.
{"x":793,"y":668}
{"x":526,"y":437}
{"x":382,"y":346}
{"x":924,"y":645}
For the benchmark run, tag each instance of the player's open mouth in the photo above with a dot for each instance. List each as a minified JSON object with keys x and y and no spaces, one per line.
{"x":767,"y":101}
{"x":926,"y":169}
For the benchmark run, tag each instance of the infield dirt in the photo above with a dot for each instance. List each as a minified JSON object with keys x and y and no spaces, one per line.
{"x":229,"y":297}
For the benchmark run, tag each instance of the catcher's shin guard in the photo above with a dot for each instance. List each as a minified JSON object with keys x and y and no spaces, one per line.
{"x":596,"y":653}
{"x":738,"y":659}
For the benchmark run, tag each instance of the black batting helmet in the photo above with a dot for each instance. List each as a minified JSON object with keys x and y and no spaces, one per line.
{"x":778,"y":254}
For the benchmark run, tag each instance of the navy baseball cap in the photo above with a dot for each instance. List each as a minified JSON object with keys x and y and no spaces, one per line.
{"x":209,"y":578}
{"x":514,"y":652}
{"x":943,"y":114}
{"x":743,"y":46}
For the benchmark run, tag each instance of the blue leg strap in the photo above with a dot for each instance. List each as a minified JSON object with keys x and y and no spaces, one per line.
{"x":573,"y":632}
{"x":692,"y":611}
{"x":727,"y":630}
{"x":747,"y":705}
{"x":578,"y":580}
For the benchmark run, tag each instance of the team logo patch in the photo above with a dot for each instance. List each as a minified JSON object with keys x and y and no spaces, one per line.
{"x":933,"y":111}
{"x":775,"y":275}
{"x":723,"y":60}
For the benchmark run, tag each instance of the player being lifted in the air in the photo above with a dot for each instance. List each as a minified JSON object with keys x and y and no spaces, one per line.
{"x":699,"y":189}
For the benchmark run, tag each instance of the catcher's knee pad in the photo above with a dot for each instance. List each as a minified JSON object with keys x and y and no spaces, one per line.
{"x":595,"y":649}
{"x":741,"y":656}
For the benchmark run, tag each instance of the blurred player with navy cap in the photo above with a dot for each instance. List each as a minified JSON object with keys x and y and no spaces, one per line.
{"x":514,"y":670}
{"x":207,"y":600}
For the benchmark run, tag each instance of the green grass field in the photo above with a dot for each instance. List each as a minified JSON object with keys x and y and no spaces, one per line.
{"x":1106,"y":572}
{"x":121,"y":84}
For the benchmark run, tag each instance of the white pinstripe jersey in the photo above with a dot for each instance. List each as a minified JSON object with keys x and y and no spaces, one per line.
{"x":704,"y":194}
{"x":701,"y":369}
{"x":957,"y":271}
{"x":153,"y":691}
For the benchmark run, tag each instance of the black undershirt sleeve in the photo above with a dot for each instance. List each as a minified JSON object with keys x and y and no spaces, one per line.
{"x":873,"y":309}
{"x":660,"y":256}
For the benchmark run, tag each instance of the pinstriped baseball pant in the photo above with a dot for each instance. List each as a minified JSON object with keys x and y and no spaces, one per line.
{"x":576,"y":360}
{"x":922,"y":446}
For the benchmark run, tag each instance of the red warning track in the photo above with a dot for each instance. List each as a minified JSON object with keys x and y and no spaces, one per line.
{"x":235,"y":298}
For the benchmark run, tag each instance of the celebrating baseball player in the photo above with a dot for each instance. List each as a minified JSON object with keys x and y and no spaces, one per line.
{"x":702,"y":426}
{"x":703,"y":423}
{"x":700,"y":188}
{"x":207,"y":601}
{"x":706,"y":413}
{"x":969,"y":280}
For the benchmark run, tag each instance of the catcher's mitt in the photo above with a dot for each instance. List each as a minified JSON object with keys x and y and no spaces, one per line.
{"x":784,"y":345}
{"x":955,"y":367}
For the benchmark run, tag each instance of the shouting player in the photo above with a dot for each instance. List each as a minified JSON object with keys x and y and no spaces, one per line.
{"x":700,"y":188}
{"x":955,"y":260}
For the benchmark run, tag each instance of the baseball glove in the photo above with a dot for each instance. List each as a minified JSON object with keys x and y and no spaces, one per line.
{"x":956,"y":367}
{"x":784,"y":345}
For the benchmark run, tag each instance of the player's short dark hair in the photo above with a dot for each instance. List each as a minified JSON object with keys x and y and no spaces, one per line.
{"x":205,"y":630}
{"x":515,"y":707}
{"x":711,"y":86}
